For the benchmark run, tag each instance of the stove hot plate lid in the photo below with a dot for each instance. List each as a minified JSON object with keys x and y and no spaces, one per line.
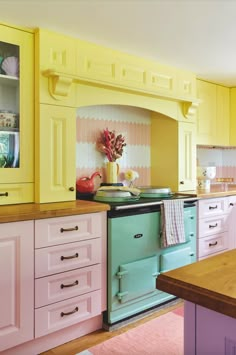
{"x":158,"y":191}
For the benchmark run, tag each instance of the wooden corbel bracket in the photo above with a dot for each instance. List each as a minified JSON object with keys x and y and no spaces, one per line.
{"x":59,"y":84}
{"x":189,"y":108}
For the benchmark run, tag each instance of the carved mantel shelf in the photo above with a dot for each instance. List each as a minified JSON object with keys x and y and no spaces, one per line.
{"x":59,"y":86}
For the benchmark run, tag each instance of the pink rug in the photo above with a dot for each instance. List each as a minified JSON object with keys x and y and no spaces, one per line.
{"x":160,"y":336}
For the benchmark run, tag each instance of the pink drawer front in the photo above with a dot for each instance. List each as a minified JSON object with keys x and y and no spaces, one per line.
{"x":59,"y":315}
{"x":67,"y":257}
{"x":212,"y":207}
{"x":213,"y":225}
{"x":68,"y":284}
{"x":213,"y":244}
{"x":55,"y":231}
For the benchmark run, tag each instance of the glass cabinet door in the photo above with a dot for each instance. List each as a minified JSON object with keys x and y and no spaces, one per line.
{"x":9,"y":106}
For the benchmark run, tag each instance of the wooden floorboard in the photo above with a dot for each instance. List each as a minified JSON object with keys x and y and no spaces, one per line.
{"x":85,"y":342}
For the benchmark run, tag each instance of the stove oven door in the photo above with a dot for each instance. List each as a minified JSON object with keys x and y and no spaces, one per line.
{"x":137,"y":279}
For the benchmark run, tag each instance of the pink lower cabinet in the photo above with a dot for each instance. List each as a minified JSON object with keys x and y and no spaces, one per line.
{"x":207,"y":332}
{"x":69,"y":271}
{"x":16,"y":283}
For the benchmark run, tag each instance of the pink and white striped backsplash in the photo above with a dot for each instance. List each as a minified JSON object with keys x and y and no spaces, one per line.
{"x":224,"y":158}
{"x":133,"y":123}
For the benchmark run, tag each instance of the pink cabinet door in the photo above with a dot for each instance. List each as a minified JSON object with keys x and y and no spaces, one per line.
{"x":16,"y":283}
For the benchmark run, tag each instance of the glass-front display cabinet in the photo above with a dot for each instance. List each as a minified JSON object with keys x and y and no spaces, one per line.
{"x":9,"y":106}
{"x":16,"y":115}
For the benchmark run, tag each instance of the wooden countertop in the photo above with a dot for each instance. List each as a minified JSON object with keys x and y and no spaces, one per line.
{"x":216,"y":190}
{"x":210,"y":283}
{"x":30,"y":211}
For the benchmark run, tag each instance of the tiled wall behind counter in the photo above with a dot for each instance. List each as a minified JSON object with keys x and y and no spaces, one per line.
{"x":134,"y":123}
{"x":224,"y":158}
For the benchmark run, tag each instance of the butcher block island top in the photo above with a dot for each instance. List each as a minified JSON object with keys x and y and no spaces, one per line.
{"x":210,"y":283}
{"x":30,"y":211}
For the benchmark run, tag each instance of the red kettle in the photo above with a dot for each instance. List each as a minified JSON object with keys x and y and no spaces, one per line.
{"x":86,"y":184}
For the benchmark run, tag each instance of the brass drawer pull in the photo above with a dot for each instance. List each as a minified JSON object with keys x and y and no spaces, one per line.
{"x":4,"y":194}
{"x":212,"y":207}
{"x":70,"y":285}
{"x":69,"y":229}
{"x":69,"y":257}
{"x":68,"y":313}
{"x":213,"y":244}
{"x":213,"y":225}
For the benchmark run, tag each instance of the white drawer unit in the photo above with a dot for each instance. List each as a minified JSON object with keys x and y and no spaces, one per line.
{"x":213,"y":244}
{"x":63,"y":230}
{"x":214,"y":234}
{"x":62,"y":314}
{"x":69,"y":270}
{"x":213,"y":225}
{"x":68,"y":284}
{"x":67,"y":257}
{"x":212,"y":207}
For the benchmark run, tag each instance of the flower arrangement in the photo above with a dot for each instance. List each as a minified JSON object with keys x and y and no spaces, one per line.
{"x":131,"y":176}
{"x":111,"y":145}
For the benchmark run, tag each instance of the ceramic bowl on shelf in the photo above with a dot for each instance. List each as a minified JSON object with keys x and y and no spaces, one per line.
{"x":10,"y":65}
{"x":206,"y":172}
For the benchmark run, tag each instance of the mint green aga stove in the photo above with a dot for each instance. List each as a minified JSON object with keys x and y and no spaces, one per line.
{"x":135,"y":258}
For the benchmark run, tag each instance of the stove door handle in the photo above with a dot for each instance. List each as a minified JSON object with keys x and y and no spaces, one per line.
{"x":121,"y":273}
{"x":156,"y":274}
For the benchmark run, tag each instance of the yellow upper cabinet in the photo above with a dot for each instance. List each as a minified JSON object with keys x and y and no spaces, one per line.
{"x":16,"y":116}
{"x":213,"y":114}
{"x":173,"y":153}
{"x":233,"y":116}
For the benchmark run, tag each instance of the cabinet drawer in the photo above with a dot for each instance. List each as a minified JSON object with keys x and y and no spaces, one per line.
{"x":213,"y":244}
{"x":67,"y":257}
{"x":16,"y":193}
{"x":55,"y":231}
{"x":209,"y":226}
{"x":68,"y":284}
{"x":62,"y":314}
{"x":212,"y":207}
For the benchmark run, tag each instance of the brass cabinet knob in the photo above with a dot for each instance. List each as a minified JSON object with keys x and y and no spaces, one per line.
{"x":71,"y":188}
{"x":181,"y":182}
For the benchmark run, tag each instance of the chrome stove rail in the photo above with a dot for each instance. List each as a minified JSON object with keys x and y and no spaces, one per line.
{"x":154,"y":203}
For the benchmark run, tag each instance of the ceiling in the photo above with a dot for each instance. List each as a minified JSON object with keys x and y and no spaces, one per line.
{"x":195,"y":35}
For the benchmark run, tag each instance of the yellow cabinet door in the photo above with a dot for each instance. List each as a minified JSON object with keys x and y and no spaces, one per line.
{"x":222,"y":115}
{"x":213,"y":114}
{"x":173,"y":153}
{"x":55,"y":154}
{"x":18,"y":93}
{"x":187,"y":156}
{"x":232,"y":116}
{"x":206,"y":113}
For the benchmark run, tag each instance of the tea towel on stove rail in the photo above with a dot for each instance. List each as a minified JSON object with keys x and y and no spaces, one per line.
{"x":172,"y":223}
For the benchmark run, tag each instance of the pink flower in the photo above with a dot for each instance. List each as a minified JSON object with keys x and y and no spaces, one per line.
{"x":111,"y":145}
